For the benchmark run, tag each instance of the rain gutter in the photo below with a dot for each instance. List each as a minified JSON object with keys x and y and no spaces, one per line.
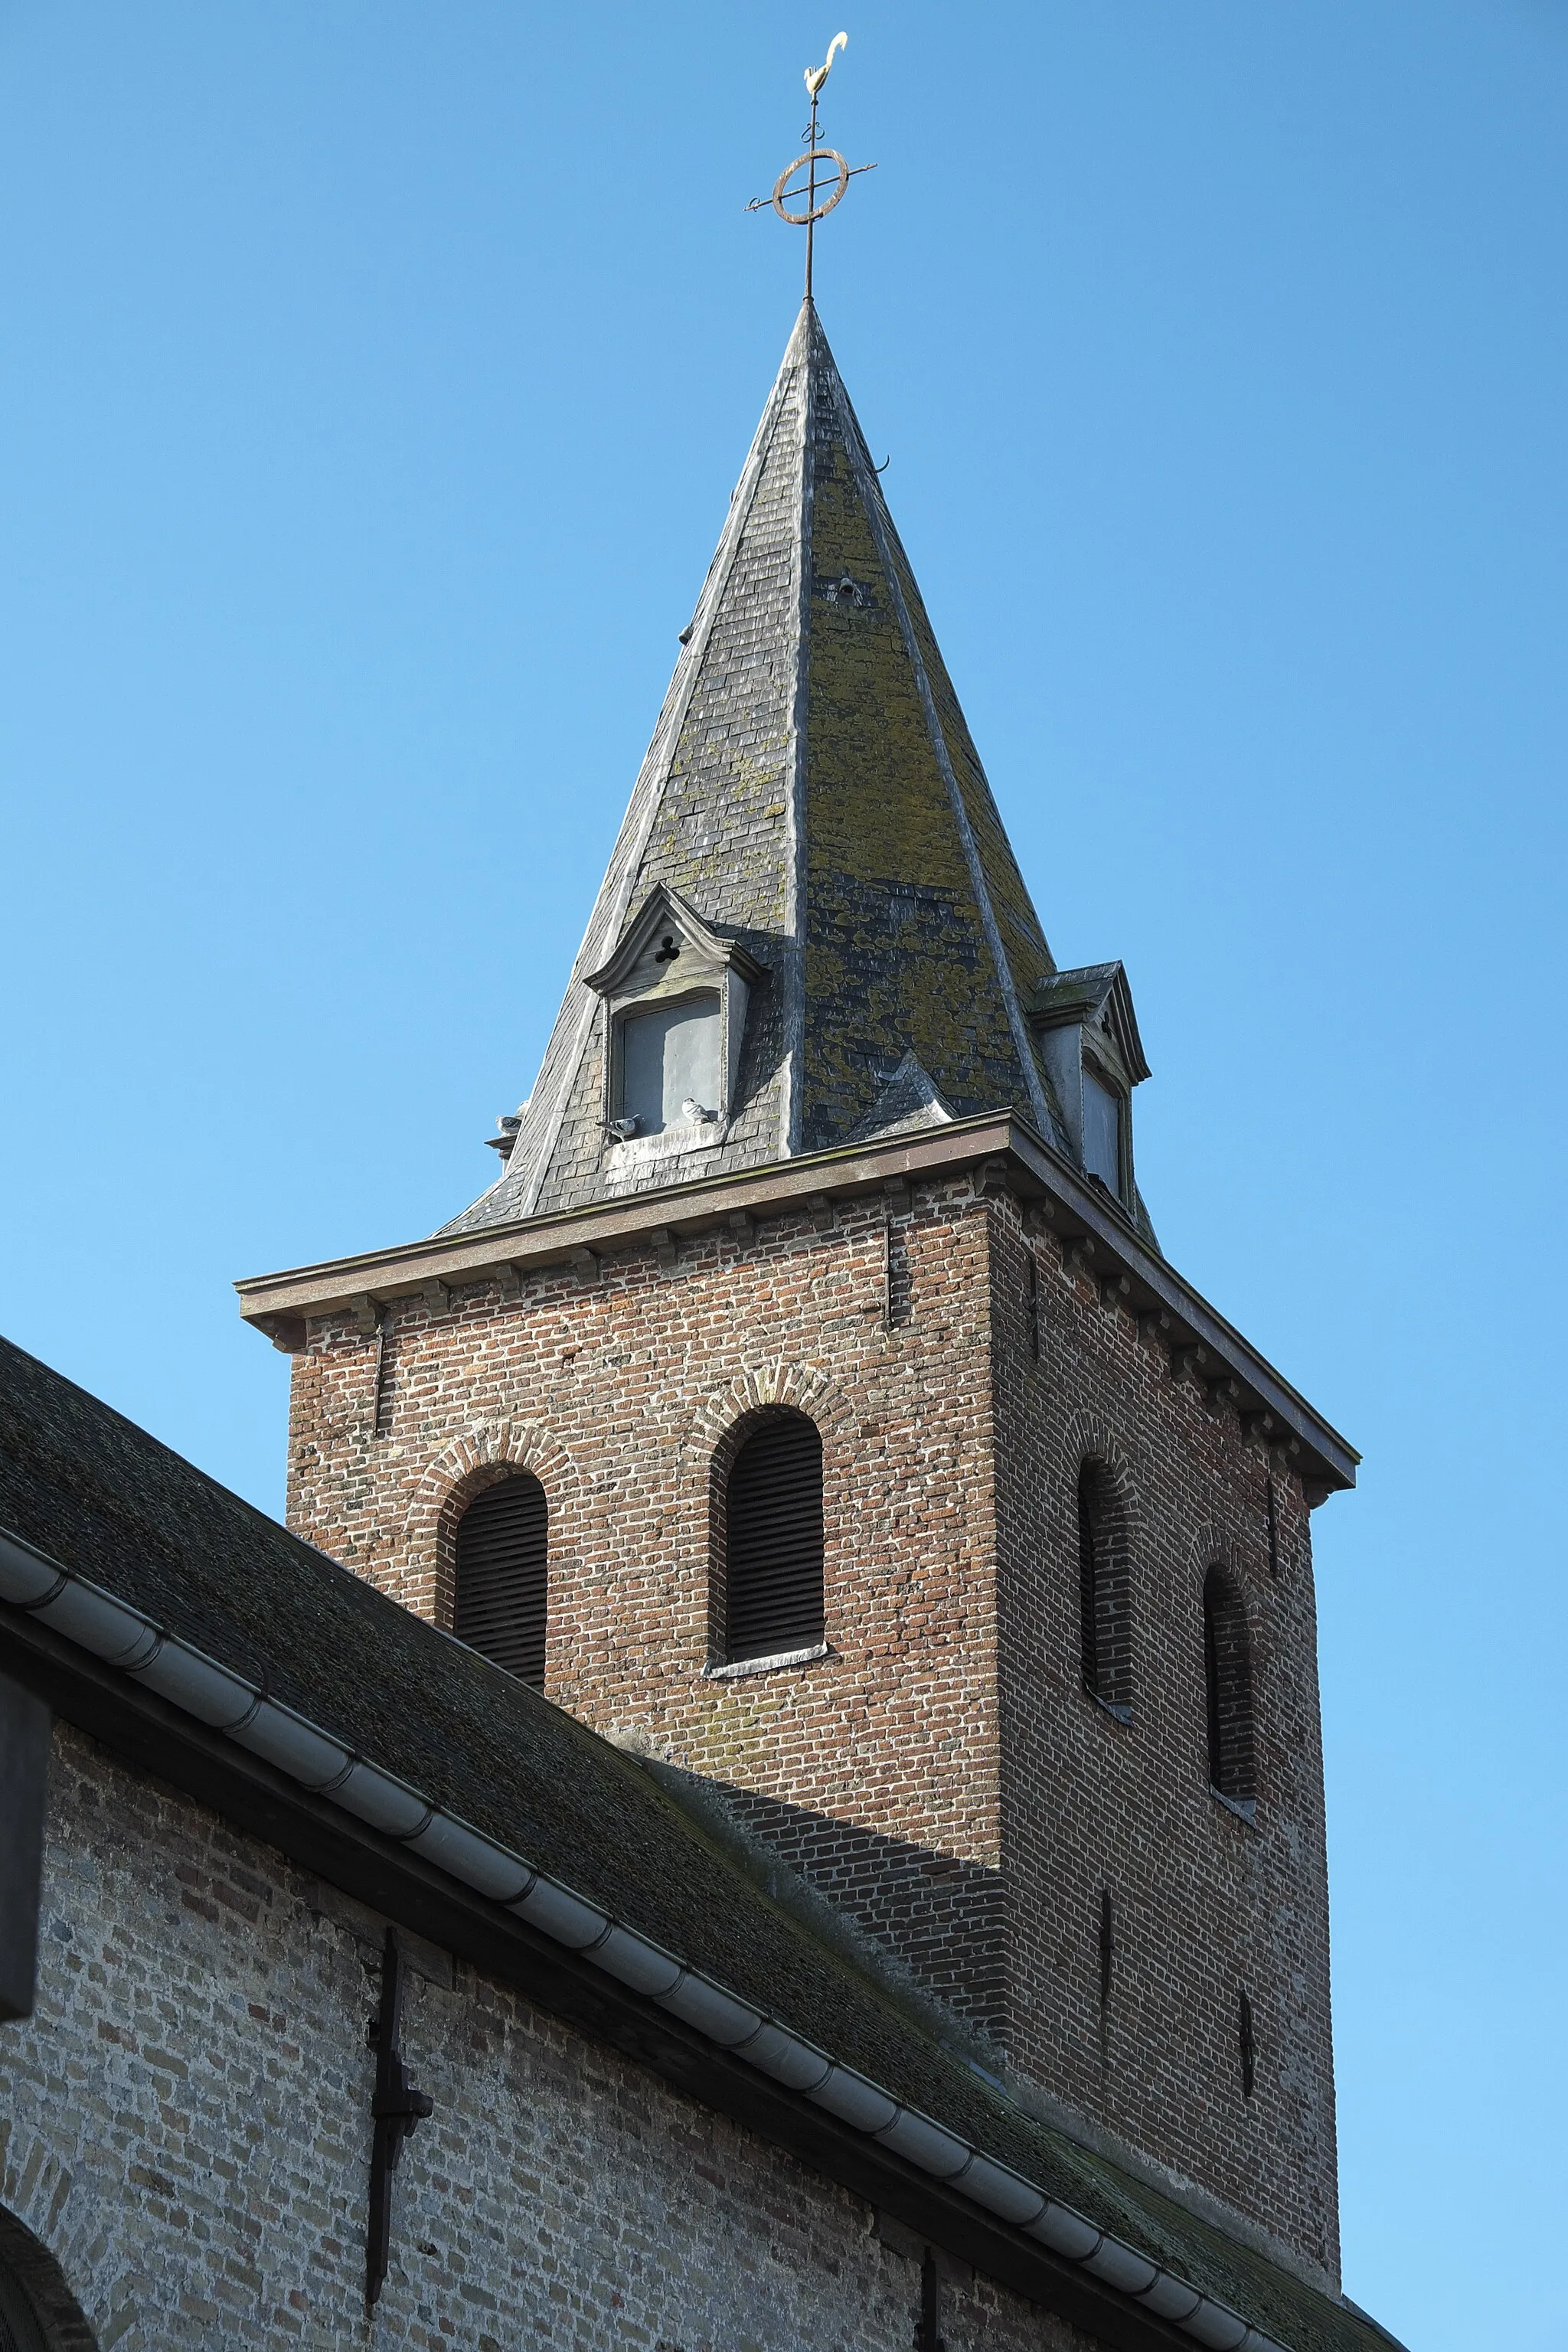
{"x":121,"y":1637}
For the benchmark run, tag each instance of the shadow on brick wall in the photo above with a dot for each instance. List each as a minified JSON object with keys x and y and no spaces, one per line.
{"x":942,"y":1917}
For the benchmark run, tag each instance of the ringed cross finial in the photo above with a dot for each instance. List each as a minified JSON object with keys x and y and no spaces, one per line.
{"x":806,"y":190}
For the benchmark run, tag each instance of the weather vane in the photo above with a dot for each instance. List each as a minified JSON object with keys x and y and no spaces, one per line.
{"x":789,"y":190}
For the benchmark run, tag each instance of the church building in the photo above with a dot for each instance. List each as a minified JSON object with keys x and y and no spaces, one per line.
{"x":769,"y":1793}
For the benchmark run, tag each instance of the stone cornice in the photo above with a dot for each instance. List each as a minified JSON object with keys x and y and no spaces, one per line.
{"x":998,"y":1147}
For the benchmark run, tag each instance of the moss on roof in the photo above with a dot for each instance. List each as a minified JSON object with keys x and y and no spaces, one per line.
{"x":104,"y":1499}
{"x":812,"y":784}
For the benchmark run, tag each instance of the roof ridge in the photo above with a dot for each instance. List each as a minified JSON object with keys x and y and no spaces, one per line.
{"x":870,"y":487}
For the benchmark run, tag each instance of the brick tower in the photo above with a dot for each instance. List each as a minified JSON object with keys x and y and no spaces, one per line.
{"x":809,"y":1398}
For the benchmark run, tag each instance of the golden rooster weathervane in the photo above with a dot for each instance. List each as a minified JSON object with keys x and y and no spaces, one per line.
{"x":784,"y":194}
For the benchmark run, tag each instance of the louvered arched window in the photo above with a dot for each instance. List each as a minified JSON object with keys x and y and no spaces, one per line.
{"x":502,"y":1547}
{"x":1105,"y":1633}
{"x":773,"y":1541}
{"x":1227,"y":1680}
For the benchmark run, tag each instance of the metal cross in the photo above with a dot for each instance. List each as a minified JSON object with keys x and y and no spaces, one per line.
{"x":784,"y":194}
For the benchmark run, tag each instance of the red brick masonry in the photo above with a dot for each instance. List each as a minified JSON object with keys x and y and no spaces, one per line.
{"x":941,"y":1773}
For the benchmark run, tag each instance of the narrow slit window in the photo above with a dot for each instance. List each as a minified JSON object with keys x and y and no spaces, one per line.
{"x":1228,"y":1689}
{"x":503,"y":1540}
{"x":772,"y":1599}
{"x":1247,"y":2040}
{"x":1105,"y":1646}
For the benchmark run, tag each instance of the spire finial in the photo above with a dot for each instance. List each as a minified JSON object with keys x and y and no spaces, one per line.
{"x":817,"y":74}
{"x":786,"y":195}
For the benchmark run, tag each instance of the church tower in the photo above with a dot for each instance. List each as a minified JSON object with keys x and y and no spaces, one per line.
{"x":808,"y":1401}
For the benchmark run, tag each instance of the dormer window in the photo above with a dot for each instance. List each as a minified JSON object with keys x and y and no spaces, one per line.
{"x":1102,"y":1125}
{"x":1088,"y":1036}
{"x":675,"y":994}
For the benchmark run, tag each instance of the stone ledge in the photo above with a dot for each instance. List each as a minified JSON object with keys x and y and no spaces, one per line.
{"x":741,"y":1668}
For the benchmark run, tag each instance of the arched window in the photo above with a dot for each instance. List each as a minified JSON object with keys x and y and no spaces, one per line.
{"x":772,"y":1504}
{"x":1227,"y":1679}
{"x":37,"y":2309}
{"x":19,"y":2329}
{"x":502,"y":1547}
{"x":1105,"y":1633}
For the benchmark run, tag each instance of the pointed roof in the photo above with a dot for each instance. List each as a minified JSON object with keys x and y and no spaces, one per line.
{"x":812,"y":798}
{"x":910,"y":1101}
{"x":1095,"y":993}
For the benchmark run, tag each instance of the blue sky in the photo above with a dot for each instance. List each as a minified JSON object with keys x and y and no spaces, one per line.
{"x":372,"y":383}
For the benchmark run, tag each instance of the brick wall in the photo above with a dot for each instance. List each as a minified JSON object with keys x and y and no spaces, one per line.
{"x":1204,"y":1905}
{"x":942,"y":1774}
{"x":185,"y":2131}
{"x":876,"y":1767}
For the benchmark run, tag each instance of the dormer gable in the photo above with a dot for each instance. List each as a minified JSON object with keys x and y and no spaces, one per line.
{"x":664,"y":944}
{"x":675,"y":994}
{"x":1088,"y":1035}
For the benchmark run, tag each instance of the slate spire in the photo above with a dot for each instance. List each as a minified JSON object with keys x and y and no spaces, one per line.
{"x":811,"y":855}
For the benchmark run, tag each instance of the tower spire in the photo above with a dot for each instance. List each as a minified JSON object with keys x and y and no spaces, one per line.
{"x":813,"y":928}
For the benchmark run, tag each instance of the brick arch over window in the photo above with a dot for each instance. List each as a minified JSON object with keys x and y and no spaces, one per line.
{"x":1113,"y":1493}
{"x":483,"y":1457}
{"x":1104,"y":1584}
{"x":1229,"y":1688}
{"x":803,"y":1388}
{"x":765,"y":1534}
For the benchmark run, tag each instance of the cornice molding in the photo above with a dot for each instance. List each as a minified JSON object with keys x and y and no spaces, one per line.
{"x":1088,"y":1223}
